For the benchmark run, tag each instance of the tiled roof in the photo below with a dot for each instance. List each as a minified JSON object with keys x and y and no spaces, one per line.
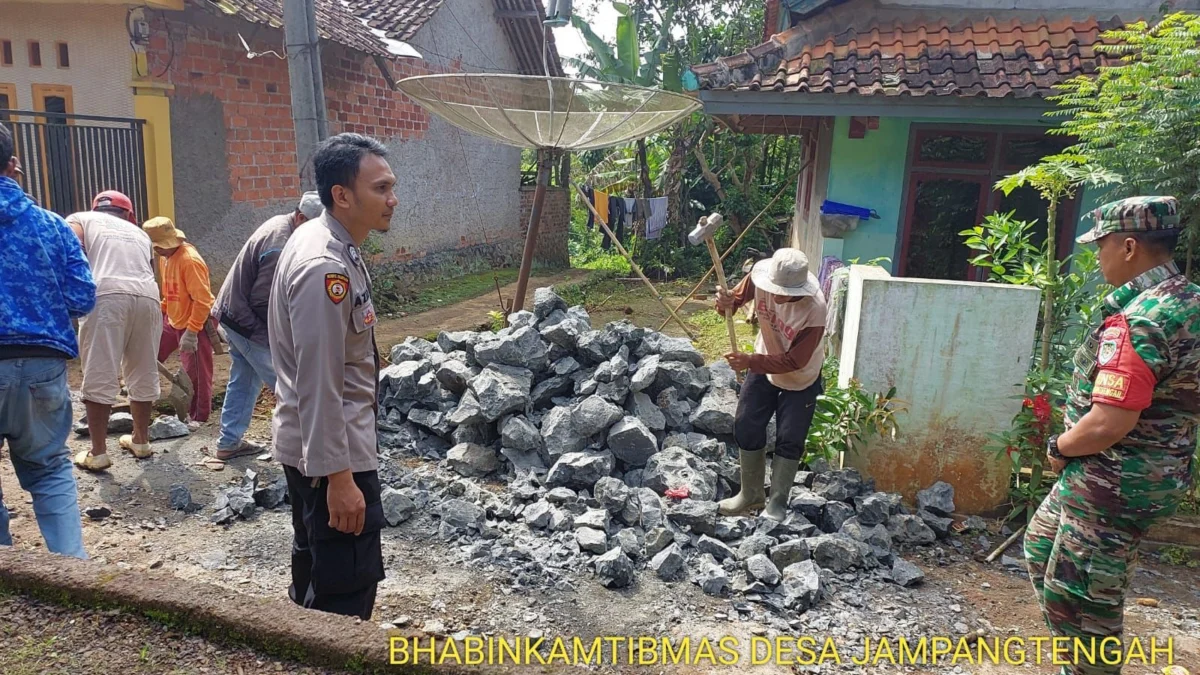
{"x":988,"y":58}
{"x":334,"y":21}
{"x":521,"y":21}
{"x":400,"y":19}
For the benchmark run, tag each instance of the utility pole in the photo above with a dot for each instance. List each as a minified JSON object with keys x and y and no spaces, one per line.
{"x":304,"y":78}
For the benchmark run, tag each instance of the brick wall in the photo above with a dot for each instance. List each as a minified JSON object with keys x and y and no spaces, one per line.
{"x":770,"y":19}
{"x":202,"y":56}
{"x":556,"y":220}
{"x":234,"y":145}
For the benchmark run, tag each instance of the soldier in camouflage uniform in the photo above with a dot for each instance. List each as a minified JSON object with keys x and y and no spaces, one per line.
{"x":1125,"y":457}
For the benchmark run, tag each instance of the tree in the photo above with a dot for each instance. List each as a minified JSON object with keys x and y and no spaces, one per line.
{"x":1056,"y":178}
{"x":1140,"y":117}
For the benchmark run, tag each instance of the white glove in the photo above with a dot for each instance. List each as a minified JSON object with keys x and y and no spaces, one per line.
{"x":189,"y":342}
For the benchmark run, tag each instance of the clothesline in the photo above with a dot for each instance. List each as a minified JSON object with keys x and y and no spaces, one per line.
{"x":623,"y":212}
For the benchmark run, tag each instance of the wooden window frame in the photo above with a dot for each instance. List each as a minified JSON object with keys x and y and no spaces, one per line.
{"x":29,"y":47}
{"x":995,"y":169}
{"x":58,"y":54}
{"x":12,"y":55}
{"x":926,"y":132}
{"x":63,"y":91}
{"x":11,"y":91}
{"x":40,"y":92}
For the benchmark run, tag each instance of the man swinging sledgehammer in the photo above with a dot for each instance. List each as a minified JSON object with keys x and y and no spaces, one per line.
{"x":784,"y":379}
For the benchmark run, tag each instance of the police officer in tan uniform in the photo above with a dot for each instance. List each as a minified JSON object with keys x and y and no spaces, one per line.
{"x":321,"y":328}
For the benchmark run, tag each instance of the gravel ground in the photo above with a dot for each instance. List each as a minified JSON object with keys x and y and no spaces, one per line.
{"x":432,"y":581}
{"x":44,"y":639}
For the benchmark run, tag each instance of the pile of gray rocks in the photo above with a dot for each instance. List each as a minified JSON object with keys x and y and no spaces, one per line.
{"x":239,"y":501}
{"x":562,"y":447}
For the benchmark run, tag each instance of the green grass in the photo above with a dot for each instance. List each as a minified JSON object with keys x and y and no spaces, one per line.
{"x":712,"y":338}
{"x":592,"y":289}
{"x":1178,"y":556}
{"x":457,"y":289}
{"x":605,"y":262}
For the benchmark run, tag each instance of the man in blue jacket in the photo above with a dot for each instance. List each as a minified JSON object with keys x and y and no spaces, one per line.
{"x":44,"y":283}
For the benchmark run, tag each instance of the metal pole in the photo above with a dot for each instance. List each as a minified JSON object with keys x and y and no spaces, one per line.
{"x":314,"y":38}
{"x":301,"y":55}
{"x":531,"y":232}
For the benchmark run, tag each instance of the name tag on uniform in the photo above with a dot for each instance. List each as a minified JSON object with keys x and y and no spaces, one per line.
{"x":1085,"y":356}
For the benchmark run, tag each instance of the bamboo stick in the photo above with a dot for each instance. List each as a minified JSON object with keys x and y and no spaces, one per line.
{"x":638,"y":270}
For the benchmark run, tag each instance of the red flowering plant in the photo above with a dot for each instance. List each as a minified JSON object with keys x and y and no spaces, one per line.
{"x":1024,"y":444}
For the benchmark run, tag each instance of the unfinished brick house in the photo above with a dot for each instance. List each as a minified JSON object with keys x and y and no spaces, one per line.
{"x":232,"y":144}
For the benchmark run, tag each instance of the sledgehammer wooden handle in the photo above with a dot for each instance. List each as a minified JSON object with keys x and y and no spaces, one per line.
{"x":716,"y":258}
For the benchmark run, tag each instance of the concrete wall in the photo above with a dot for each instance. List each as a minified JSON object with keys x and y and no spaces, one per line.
{"x":457,"y":190}
{"x":870,"y":172}
{"x":100,"y":69}
{"x":957,"y":353}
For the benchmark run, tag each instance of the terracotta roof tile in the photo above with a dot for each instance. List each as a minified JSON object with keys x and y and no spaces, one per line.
{"x":400,"y":19}
{"x":334,"y":21}
{"x":988,"y":58}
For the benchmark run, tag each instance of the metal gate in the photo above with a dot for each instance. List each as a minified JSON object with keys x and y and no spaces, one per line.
{"x":69,"y":158}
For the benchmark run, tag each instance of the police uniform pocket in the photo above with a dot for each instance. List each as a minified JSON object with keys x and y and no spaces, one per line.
{"x":344,"y":563}
{"x":364,"y":317}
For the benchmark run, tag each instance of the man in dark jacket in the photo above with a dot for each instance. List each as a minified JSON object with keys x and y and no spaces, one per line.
{"x":45,"y":282}
{"x":241,"y":309}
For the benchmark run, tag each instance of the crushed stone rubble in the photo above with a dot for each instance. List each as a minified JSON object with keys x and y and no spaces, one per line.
{"x":553,"y":447}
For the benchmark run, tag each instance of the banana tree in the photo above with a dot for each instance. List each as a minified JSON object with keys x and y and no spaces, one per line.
{"x":625,"y":62}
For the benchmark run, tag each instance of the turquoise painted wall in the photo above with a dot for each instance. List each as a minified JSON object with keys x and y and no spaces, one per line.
{"x":869,"y":172}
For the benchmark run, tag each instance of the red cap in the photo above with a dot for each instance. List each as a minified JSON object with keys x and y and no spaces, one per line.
{"x":112,"y":198}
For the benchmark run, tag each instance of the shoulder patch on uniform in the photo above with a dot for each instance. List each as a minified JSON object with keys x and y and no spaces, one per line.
{"x":1110,"y":345}
{"x":1108,"y":349}
{"x":1110,"y":385}
{"x":336,"y":286}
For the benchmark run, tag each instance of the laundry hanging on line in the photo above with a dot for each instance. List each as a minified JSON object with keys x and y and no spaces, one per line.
{"x":620,"y":213}
{"x":601,"y":203}
{"x":616,"y":221}
{"x":656,"y":219}
{"x":589,"y":194}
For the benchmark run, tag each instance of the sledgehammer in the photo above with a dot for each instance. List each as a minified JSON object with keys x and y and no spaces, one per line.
{"x":704,"y":232}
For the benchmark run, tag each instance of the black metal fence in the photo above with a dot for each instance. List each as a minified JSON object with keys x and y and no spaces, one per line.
{"x":68,"y":158}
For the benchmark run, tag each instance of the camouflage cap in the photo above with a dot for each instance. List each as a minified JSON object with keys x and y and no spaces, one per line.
{"x":1135,"y":214}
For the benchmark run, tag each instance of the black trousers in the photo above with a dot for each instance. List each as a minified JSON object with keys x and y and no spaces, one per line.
{"x":793,"y":412}
{"x":333,"y":571}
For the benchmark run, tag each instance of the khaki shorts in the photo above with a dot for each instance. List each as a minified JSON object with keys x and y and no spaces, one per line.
{"x":120,"y":336}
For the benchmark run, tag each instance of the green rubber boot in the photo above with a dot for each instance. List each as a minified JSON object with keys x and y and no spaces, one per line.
{"x":783,"y":474}
{"x":751,"y":496}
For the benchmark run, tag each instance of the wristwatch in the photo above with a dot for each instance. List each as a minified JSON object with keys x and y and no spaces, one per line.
{"x":1052,"y":449}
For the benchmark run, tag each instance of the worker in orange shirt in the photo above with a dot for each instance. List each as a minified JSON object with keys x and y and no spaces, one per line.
{"x":187,"y":301}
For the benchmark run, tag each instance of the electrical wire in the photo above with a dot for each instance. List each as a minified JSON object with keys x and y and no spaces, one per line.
{"x":467,"y":33}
